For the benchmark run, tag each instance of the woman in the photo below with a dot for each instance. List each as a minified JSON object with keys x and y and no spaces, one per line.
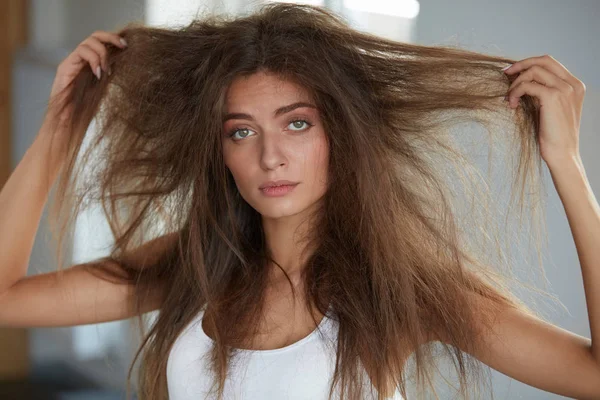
{"x":326,"y":284}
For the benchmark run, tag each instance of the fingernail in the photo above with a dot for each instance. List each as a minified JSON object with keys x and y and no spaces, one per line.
{"x":98,"y":72}
{"x":123,"y":42}
{"x":507,"y":67}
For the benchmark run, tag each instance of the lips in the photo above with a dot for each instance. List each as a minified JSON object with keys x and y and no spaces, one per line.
{"x":277,"y":183}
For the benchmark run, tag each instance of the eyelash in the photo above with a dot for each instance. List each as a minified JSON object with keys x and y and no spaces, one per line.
{"x":235,"y":130}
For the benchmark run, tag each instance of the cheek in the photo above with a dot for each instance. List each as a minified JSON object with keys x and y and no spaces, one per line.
{"x":238,"y":172}
{"x":320,"y":161}
{"x":235,"y":165}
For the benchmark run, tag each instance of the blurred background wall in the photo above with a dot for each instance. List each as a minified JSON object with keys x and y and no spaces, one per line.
{"x":565,"y":30}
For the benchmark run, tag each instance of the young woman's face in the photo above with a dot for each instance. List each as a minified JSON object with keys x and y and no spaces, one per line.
{"x":270,"y":145}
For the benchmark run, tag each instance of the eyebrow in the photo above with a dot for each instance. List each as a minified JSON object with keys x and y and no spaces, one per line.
{"x":278,"y":112}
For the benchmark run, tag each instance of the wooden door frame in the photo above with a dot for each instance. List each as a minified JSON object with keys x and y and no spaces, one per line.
{"x":14,"y":27}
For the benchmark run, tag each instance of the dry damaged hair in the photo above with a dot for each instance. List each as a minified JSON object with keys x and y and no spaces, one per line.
{"x":406,"y":234}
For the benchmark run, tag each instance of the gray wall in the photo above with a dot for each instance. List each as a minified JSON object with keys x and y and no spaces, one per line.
{"x":568,"y":31}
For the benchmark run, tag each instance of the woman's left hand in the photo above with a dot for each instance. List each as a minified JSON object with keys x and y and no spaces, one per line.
{"x":560,"y":98}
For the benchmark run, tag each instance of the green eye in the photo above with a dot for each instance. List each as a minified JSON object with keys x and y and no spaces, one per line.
{"x":299,"y":120}
{"x":239,"y":130}
{"x":295,"y":121}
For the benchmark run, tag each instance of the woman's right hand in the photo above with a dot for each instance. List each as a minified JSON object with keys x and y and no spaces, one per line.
{"x":92,"y":52}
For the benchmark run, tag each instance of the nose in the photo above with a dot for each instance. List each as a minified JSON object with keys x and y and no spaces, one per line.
{"x":272,"y":151}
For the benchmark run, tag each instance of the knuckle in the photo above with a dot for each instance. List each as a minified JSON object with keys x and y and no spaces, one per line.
{"x":103,"y":51}
{"x":94,"y":59}
{"x":570,"y":89}
{"x":87,"y":42}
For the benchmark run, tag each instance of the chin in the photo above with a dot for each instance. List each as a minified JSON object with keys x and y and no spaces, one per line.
{"x":278,"y":210}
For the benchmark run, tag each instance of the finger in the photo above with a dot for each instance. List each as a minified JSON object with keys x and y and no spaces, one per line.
{"x":99,"y":47}
{"x":108,"y":37}
{"x":93,"y":58}
{"x":547,"y":62}
{"x":542,"y":76}
{"x":73,"y":60}
{"x":533,"y":89}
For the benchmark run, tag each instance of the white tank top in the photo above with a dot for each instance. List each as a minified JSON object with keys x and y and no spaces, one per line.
{"x":300,"y":371}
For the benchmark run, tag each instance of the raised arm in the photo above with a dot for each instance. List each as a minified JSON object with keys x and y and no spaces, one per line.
{"x":77,"y":296}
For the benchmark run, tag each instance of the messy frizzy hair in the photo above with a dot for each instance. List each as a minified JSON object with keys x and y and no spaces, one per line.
{"x":406,"y":235}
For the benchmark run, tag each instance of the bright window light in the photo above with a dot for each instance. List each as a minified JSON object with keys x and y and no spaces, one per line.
{"x":400,"y":8}
{"x":172,"y":14}
{"x":310,"y":2}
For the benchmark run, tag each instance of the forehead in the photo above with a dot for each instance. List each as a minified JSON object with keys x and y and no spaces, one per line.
{"x":263,"y":90}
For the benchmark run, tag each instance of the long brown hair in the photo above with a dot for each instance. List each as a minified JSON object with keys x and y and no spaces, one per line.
{"x":400,"y":251}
